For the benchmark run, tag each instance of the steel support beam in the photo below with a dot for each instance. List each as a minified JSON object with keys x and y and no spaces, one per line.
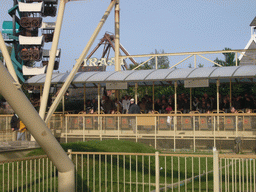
{"x":55,"y":42}
{"x":79,"y":61}
{"x":117,"y":36}
{"x":38,"y":129}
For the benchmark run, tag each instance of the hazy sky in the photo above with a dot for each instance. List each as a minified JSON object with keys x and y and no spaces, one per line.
{"x":146,"y":25}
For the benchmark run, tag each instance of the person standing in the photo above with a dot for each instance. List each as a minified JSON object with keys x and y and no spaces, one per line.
{"x":15,"y":126}
{"x":22,"y":130}
{"x":125,"y":104}
{"x":133,"y":109}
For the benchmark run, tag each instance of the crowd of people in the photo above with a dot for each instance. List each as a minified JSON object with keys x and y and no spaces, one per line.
{"x":166,"y":104}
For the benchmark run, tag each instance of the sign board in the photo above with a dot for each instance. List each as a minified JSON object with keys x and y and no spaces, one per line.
{"x":101,"y":62}
{"x":196,"y":83}
{"x":116,"y":85}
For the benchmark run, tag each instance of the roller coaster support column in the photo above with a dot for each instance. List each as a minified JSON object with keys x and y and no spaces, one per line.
{"x":51,"y":62}
{"x":117,"y":37}
{"x":37,"y":127}
{"x":7,"y":59}
{"x":117,"y":46}
{"x":79,"y":61}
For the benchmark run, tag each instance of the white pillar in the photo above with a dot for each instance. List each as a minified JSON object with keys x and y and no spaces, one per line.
{"x":55,"y":42}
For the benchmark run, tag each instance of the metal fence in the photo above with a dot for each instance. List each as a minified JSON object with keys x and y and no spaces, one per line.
{"x":28,"y":174}
{"x":171,"y":131}
{"x":96,"y":171}
{"x":181,"y":131}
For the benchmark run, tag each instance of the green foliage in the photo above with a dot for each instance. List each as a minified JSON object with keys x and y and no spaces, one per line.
{"x":142,"y":67}
{"x":162,"y":61}
{"x":229,"y":59}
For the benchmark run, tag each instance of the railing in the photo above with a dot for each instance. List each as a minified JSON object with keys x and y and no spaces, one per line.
{"x":198,"y":57}
{"x":159,"y":130}
{"x":96,"y":171}
{"x":28,"y":174}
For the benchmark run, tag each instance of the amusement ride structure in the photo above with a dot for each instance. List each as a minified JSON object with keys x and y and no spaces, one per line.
{"x":27,"y":33}
{"x":27,"y":47}
{"x":22,"y":32}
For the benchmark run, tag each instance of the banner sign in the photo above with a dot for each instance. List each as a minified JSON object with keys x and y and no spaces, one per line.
{"x":101,"y":62}
{"x":116,"y":85}
{"x":196,"y":83}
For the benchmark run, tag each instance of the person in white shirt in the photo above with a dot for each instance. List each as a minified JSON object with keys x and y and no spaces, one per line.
{"x":125,"y":104}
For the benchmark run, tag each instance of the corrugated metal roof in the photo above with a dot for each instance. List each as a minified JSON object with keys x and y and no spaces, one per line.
{"x":147,"y":77}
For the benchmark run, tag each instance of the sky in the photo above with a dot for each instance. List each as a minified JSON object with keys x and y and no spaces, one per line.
{"x":149,"y":25}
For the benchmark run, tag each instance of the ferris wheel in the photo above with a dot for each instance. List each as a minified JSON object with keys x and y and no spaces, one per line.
{"x":27,"y":34}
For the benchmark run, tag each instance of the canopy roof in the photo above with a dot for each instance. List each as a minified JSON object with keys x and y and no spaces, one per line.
{"x":31,"y":7}
{"x":147,"y":77}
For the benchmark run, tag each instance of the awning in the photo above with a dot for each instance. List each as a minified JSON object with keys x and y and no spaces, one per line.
{"x":158,"y":76}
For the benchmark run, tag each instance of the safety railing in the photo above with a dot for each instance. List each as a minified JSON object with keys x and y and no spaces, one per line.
{"x":159,"y":130}
{"x":28,"y":174}
{"x":142,"y":172}
{"x":102,"y":171}
{"x":195,"y":129}
{"x":237,"y":172}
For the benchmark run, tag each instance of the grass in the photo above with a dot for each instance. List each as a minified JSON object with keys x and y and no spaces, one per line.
{"x":102,"y":146}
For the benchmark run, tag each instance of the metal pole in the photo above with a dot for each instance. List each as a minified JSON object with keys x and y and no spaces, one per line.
{"x":63,"y":105}
{"x":194,"y":61}
{"x":51,"y":62}
{"x":79,"y":61}
{"x":216,"y":170}
{"x":175,"y":118}
{"x":117,"y":36}
{"x":218,"y":103}
{"x":153,"y":107}
{"x":84,"y":97}
{"x":230,"y":92}
{"x":8,"y":60}
{"x":117,"y":45}
{"x":37,"y":127}
{"x":136,"y":93}
{"x":156,"y":63}
{"x":157,"y":171}
{"x":98,"y":99}
{"x":190,"y":99}
{"x":175,"y":96}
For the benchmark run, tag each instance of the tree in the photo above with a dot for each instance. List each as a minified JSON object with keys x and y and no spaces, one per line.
{"x":199,"y":65}
{"x":162,"y":61}
{"x":142,"y":67}
{"x":229,"y":59}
